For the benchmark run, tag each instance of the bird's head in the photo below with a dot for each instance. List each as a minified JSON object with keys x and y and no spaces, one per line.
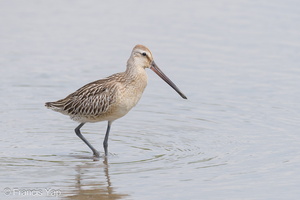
{"x":141,"y":56}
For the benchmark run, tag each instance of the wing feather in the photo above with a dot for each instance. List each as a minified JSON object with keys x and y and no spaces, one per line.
{"x":92,"y":99}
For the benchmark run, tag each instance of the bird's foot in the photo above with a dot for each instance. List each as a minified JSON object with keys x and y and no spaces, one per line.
{"x":96,"y":154}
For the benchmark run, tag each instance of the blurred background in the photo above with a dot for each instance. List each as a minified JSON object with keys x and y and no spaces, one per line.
{"x":236,"y":137}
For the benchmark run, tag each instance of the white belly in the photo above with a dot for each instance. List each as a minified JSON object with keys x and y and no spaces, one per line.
{"x":129,"y":96}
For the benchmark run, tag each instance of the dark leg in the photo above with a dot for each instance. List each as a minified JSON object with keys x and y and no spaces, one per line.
{"x":77,"y":131}
{"x":105,"y":145}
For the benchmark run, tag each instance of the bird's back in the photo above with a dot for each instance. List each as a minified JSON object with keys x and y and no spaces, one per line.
{"x":104,"y":99}
{"x":90,"y":101}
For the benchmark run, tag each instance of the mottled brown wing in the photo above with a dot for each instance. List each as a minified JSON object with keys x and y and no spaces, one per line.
{"x":92,"y":99}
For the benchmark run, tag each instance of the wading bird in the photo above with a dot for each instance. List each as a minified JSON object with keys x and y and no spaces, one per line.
{"x":111,"y":98}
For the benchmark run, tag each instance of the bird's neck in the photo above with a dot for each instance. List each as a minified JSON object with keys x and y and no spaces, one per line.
{"x":133,"y":70}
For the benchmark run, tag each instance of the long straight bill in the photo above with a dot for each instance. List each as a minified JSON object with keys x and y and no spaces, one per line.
{"x":155,"y":68}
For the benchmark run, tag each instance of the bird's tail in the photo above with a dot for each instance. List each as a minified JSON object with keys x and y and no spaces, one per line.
{"x":56,"y":106}
{"x":48,"y":104}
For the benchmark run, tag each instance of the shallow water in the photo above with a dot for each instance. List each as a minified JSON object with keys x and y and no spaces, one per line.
{"x":236,"y":137}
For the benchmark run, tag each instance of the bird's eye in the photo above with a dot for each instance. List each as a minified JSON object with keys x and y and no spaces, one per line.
{"x":144,"y":54}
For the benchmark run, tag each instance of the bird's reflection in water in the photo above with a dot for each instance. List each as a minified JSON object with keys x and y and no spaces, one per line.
{"x":91,"y":183}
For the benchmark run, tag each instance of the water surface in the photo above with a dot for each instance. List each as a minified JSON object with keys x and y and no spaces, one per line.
{"x":236,"y":137}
